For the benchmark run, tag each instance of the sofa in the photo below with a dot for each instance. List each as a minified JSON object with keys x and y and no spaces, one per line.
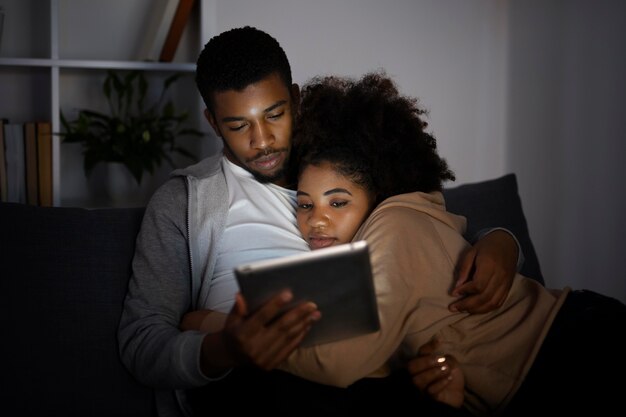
{"x":65,"y":274}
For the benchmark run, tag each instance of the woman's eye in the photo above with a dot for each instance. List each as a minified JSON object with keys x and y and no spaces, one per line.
{"x":338,"y":204}
{"x":304,"y":206}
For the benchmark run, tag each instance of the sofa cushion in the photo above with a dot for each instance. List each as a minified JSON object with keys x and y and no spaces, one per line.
{"x":65,"y":275}
{"x":495,"y":203}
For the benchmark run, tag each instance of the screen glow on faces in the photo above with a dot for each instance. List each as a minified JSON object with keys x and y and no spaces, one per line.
{"x":331,"y":207}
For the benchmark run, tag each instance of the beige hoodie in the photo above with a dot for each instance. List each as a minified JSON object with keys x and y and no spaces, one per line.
{"x":414,"y":247}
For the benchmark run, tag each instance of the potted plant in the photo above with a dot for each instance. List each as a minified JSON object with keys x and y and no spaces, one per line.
{"x":134,"y":134}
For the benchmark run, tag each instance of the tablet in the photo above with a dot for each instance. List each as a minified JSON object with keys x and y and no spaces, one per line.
{"x":338,"y":279}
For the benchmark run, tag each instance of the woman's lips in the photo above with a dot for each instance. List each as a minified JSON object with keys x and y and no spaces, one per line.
{"x":321,"y":242}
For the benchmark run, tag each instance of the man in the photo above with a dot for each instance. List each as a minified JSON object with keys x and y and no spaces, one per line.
{"x":231,"y":209}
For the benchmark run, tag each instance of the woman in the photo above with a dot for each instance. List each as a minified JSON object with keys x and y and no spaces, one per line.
{"x":360,"y":145}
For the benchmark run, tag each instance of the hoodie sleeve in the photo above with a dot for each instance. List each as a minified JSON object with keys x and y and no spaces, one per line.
{"x":151,"y":345}
{"x":412,"y":272}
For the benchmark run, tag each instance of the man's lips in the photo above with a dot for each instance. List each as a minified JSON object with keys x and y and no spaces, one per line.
{"x":268,"y":162}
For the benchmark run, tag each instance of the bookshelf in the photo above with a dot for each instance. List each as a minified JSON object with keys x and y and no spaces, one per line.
{"x":54,"y":55}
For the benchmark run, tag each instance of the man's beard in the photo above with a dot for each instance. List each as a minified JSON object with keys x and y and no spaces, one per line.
{"x":264,"y":179}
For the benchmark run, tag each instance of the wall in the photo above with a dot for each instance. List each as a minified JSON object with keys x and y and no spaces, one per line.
{"x":531,"y":87}
{"x":567,"y":137}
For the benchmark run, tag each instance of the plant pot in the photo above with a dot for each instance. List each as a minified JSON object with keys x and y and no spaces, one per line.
{"x":122,"y":188}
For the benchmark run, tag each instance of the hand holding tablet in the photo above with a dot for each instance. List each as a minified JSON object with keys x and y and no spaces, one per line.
{"x":338,"y":279}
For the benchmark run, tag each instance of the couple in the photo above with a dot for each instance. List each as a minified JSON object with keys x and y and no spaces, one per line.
{"x":239,"y":207}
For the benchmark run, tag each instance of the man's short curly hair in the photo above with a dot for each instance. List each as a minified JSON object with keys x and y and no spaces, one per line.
{"x":237,"y":58}
{"x":370,"y":132}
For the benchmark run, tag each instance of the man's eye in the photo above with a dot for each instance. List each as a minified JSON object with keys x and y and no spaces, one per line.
{"x":235,"y":128}
{"x":338,"y":204}
{"x":276,"y":115}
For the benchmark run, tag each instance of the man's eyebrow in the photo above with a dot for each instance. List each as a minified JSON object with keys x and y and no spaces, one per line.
{"x":273,"y":106}
{"x":265,"y":111}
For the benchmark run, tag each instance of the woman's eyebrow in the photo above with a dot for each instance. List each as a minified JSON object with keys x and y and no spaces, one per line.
{"x":337,"y":190}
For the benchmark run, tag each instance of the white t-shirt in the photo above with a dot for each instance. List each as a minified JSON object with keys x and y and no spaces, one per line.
{"x":261,"y":224}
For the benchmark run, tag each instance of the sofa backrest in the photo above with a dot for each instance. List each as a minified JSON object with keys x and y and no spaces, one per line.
{"x":64,"y":276}
{"x":65,"y":273}
{"x":495,"y":203}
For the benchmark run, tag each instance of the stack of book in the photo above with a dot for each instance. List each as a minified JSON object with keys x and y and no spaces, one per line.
{"x":26,"y":162}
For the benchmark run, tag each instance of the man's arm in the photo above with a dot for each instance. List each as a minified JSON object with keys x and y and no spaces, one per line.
{"x":152,"y":346}
{"x":484,"y":274}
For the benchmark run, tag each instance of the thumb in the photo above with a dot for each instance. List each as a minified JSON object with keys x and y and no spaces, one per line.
{"x":429,"y":347}
{"x":463,"y":270}
{"x":240,"y":308}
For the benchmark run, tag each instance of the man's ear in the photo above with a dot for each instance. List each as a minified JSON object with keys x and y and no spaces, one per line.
{"x":211,"y":119}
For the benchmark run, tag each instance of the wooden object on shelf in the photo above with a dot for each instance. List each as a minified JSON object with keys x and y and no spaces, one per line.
{"x":183,"y":10}
{"x":156,"y":31}
{"x":32,"y":176}
{"x":44,"y":153}
{"x":16,"y":169}
{"x":3,"y":164}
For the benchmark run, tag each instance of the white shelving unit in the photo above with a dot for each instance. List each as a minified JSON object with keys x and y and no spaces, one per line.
{"x":50,"y":69}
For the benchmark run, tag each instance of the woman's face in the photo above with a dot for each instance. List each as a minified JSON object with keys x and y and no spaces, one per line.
{"x":331,"y":207}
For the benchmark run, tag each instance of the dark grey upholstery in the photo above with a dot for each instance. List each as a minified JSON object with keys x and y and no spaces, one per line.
{"x":64,"y":276}
{"x":495,"y":203}
{"x":65,"y":273}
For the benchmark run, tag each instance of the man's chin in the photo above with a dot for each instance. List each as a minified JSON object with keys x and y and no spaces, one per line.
{"x":276,"y":176}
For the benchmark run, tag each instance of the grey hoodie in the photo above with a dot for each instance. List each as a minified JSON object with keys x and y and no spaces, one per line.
{"x":183,"y":222}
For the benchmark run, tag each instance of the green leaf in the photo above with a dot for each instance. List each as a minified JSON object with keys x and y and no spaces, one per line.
{"x":137,"y":135}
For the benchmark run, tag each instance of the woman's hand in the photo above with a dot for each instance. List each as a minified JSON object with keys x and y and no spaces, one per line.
{"x":438,"y":375}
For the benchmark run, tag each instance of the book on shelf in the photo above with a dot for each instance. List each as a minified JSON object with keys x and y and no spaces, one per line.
{"x":44,"y":166}
{"x":157,"y":28}
{"x":183,"y":10}
{"x":15,"y":162}
{"x":3,"y":164}
{"x":30,"y":153}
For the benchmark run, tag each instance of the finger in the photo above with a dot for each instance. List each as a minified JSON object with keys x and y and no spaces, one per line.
{"x":286,"y":332}
{"x":478,"y":295}
{"x":285,"y":336}
{"x":429,"y":347}
{"x":240,"y":308}
{"x":439,"y":384}
{"x":282,"y":352}
{"x":272,"y":308}
{"x":463,"y":271}
{"x":432,"y":379}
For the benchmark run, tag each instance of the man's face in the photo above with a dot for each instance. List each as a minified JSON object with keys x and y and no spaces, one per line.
{"x":256,"y":126}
